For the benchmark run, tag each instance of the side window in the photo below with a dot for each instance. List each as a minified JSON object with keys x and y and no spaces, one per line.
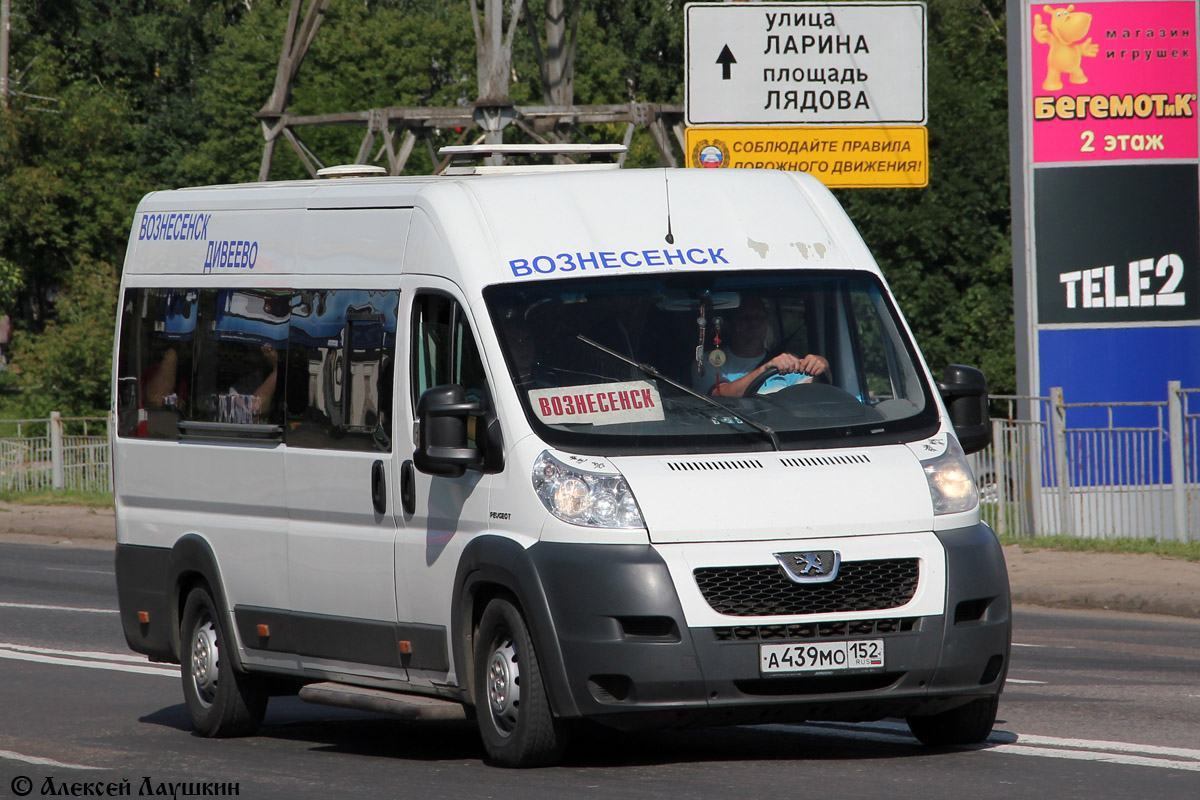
{"x":430,"y":342}
{"x":340,"y":369}
{"x":877,"y":358}
{"x":155,"y":360}
{"x":241,"y":338}
{"x":444,"y":350}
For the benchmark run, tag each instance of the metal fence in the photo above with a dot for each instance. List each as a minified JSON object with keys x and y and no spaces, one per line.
{"x":1094,"y":470}
{"x":55,"y":453}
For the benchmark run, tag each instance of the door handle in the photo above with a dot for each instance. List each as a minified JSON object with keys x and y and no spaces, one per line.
{"x":378,"y":488}
{"x":408,"y":487}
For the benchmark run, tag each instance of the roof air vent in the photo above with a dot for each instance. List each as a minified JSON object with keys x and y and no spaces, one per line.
{"x":351,"y":171}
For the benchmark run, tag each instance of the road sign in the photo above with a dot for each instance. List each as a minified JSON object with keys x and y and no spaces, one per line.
{"x":805,"y":64}
{"x":843,"y":157}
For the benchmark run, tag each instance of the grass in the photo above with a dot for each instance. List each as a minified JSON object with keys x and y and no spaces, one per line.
{"x":60,"y":497}
{"x":1185,"y":550}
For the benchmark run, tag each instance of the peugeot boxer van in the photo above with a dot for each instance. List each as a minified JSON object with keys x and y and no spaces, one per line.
{"x":479,"y":446}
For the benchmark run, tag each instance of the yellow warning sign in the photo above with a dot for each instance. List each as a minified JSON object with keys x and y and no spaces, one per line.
{"x":839,"y":157}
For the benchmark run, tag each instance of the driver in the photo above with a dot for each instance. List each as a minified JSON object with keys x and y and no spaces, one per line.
{"x":745,"y":357}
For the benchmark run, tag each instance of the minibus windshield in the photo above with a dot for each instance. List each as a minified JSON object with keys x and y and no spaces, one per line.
{"x":772,"y":359}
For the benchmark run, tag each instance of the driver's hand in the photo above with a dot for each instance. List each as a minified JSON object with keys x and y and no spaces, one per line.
{"x":787,"y":363}
{"x":813,"y":364}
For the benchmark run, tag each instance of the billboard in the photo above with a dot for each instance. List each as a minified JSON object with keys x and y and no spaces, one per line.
{"x":1113,"y":81}
{"x":1117,"y":244}
{"x":1106,"y":197}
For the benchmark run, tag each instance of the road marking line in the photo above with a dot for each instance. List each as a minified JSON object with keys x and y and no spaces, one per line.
{"x":41,"y":762}
{"x":1089,"y":755}
{"x":1018,"y":680}
{"x":85,"y":571}
{"x":60,"y":608}
{"x":1006,"y":737}
{"x":1043,"y":646}
{"x":144,"y":669}
{"x":1122,"y":747}
{"x":1124,"y":753}
{"x":95,"y":654}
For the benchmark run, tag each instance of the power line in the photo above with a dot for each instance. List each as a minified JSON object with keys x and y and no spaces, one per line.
{"x":487,"y":118}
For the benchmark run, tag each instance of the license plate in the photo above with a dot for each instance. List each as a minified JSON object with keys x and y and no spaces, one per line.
{"x":821,"y":656}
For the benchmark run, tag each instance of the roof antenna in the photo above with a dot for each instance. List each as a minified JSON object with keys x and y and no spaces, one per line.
{"x":667,"y":188}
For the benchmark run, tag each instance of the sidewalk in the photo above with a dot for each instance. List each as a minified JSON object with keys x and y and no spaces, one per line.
{"x":1059,"y":579}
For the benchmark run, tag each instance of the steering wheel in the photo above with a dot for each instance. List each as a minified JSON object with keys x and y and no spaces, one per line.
{"x":766,"y":374}
{"x":757,"y":383}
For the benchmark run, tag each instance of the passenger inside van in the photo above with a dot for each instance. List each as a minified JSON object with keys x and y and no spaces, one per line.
{"x":732,"y":369}
{"x":250,"y":395}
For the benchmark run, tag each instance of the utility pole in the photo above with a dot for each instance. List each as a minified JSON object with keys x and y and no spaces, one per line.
{"x":4,"y":25}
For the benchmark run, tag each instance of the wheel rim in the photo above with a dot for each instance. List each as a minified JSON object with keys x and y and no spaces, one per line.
{"x":205,"y":660}
{"x":504,"y":687}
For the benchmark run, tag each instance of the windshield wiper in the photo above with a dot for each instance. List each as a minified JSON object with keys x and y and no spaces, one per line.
{"x":648,"y":369}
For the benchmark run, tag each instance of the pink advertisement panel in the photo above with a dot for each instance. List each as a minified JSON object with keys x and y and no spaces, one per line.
{"x":1114,"y":81}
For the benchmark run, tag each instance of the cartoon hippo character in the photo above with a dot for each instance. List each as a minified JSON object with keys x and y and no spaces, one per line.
{"x":1067,"y":27}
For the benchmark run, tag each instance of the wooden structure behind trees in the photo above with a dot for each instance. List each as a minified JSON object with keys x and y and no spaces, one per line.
{"x":486,"y":120}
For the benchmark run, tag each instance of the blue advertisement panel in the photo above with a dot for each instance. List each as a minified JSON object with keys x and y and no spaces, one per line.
{"x":1119,"y":365}
{"x":1095,"y":365}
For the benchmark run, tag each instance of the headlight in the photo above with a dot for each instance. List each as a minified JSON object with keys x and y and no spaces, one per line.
{"x":950,"y":483}
{"x":593,"y":499}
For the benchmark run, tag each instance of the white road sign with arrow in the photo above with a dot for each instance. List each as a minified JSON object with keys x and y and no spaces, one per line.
{"x":805,"y":64}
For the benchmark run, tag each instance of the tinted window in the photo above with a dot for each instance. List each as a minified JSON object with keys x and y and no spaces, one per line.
{"x":154,"y":372}
{"x":340,"y":369}
{"x":240,"y":339}
{"x":444,"y":351}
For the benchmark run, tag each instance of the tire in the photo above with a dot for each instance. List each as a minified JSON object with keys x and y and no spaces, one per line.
{"x":511,"y":704}
{"x":969,"y":724}
{"x":221,"y":701}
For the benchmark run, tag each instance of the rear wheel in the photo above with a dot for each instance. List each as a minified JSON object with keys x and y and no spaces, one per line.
{"x":969,"y":724}
{"x":221,"y":701}
{"x":511,"y":704}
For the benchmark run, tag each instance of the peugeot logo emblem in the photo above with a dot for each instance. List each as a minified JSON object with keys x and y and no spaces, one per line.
{"x":815,"y":566}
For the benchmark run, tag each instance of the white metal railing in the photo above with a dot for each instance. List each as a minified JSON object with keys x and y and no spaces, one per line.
{"x":55,"y":453}
{"x":1094,"y":470}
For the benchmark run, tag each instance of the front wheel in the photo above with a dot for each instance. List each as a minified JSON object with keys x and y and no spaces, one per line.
{"x":969,"y":724}
{"x":221,"y":701}
{"x":511,"y":704}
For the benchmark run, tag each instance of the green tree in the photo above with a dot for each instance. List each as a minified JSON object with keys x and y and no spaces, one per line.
{"x":945,"y":249}
{"x":67,"y":368}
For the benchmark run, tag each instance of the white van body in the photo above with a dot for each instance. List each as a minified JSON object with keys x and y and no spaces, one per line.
{"x":329,"y":559}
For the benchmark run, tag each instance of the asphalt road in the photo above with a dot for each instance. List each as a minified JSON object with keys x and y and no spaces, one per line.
{"x":1099,"y":705}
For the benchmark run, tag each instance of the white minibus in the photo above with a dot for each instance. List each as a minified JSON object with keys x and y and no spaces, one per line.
{"x":649,"y":448}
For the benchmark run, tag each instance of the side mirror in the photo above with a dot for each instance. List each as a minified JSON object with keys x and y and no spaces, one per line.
{"x":964,"y":390}
{"x":442,"y":447}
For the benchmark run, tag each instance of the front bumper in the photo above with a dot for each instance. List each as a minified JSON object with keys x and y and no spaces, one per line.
{"x":629,"y":659}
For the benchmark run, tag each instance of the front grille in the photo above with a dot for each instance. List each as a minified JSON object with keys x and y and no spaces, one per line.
{"x":815,"y":630}
{"x":765,"y":591}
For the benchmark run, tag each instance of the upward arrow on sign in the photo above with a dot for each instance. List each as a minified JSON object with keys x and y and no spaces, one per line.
{"x":725,"y":59}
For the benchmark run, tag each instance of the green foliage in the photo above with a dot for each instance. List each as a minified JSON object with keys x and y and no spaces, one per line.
{"x":59,"y":497}
{"x":67,"y":368}
{"x":945,"y":249}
